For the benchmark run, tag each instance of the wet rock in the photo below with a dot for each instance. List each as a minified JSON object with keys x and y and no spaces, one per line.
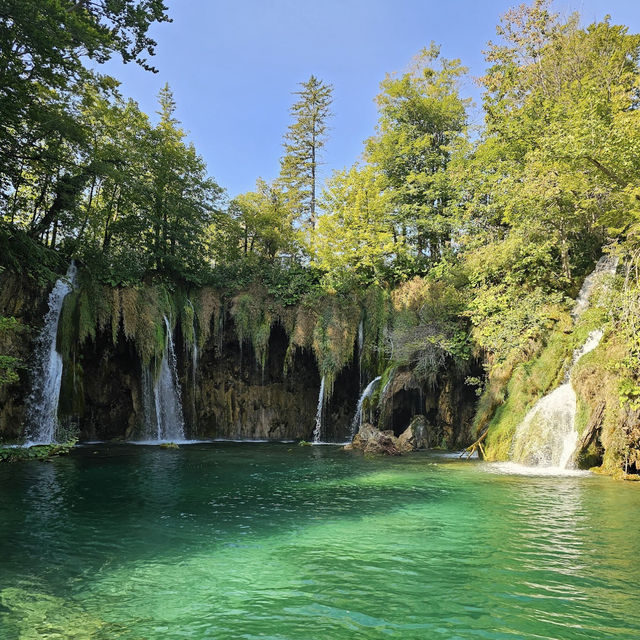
{"x":373,"y":441}
{"x":415,"y":436}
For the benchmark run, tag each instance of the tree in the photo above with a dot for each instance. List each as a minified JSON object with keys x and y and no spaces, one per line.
{"x":354,"y":239}
{"x":303,"y":144}
{"x":562,"y":115}
{"x":43,"y":46}
{"x":179,"y":198}
{"x":422,"y":118}
{"x":265,"y":220}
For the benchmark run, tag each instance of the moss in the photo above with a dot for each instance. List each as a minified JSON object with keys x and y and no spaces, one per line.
{"x":334,"y":337}
{"x":37,"y":452}
{"x":149,"y":332}
{"x":87,"y":314}
{"x":300,"y":334}
{"x":377,"y":315}
{"x":67,"y":337}
{"x":129,"y":311}
{"x":208,"y":306}
{"x":254,"y":313}
{"x":72,"y":389}
{"x":596,"y":379}
{"x":187,"y":324}
{"x":583,"y":413}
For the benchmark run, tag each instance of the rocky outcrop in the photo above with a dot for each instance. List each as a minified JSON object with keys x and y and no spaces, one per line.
{"x":416,"y":435}
{"x":371,"y":440}
{"x":236,"y":398}
{"x":26,"y":301}
{"x":232,"y":396}
{"x":448,"y":407}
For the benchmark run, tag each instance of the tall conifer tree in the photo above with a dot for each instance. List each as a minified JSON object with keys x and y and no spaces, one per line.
{"x":303,"y":144}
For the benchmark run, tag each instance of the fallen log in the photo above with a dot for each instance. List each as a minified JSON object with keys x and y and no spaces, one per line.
{"x":477,"y":445}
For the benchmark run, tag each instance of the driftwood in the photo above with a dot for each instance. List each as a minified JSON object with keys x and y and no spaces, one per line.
{"x":476,"y":446}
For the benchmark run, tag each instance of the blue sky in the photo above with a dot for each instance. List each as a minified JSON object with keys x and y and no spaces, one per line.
{"x":232,"y":65}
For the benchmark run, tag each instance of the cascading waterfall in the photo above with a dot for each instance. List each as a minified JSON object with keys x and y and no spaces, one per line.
{"x":357,"y":418}
{"x":547,"y":436}
{"x":162,"y":406}
{"x":607,"y":265}
{"x":42,"y":402}
{"x":317,"y":432}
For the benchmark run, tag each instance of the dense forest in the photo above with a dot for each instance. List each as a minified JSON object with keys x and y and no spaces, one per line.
{"x":449,"y":248}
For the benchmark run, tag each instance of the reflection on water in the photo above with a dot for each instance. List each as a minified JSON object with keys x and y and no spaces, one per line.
{"x":279,"y":541}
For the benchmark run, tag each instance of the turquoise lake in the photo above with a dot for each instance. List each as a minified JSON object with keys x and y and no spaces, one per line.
{"x":250,"y":540}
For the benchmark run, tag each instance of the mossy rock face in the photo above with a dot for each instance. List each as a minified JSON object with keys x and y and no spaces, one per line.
{"x":37,"y":452}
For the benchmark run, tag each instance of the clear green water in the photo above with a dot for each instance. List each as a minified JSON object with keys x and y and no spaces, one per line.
{"x":278,"y":541}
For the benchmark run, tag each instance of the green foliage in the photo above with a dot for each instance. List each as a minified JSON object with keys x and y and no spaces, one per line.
{"x":10,"y":364}
{"x":428,"y":328}
{"x":44,"y":45}
{"x":532,"y":371}
{"x":334,"y":336}
{"x":354,"y":240}
{"x":376,"y":320}
{"x":254,"y":314}
{"x":264,"y":222}
{"x":37,"y":452}
{"x":21,"y":254}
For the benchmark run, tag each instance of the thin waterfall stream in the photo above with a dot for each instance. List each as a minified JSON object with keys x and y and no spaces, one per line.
{"x":42,"y":402}
{"x":357,"y":418}
{"x":317,"y":432}
{"x":162,"y":403}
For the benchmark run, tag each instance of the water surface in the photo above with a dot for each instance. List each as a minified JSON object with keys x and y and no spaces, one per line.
{"x":230,"y":540}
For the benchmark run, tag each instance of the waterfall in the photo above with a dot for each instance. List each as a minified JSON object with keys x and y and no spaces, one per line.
{"x":42,"y":402}
{"x":317,"y":432}
{"x":357,"y":418}
{"x":605,"y":266}
{"x":161,"y":402}
{"x":547,"y":436}
{"x":167,"y":394}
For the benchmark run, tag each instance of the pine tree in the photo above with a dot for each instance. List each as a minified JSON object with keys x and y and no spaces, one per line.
{"x":303,"y":144}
